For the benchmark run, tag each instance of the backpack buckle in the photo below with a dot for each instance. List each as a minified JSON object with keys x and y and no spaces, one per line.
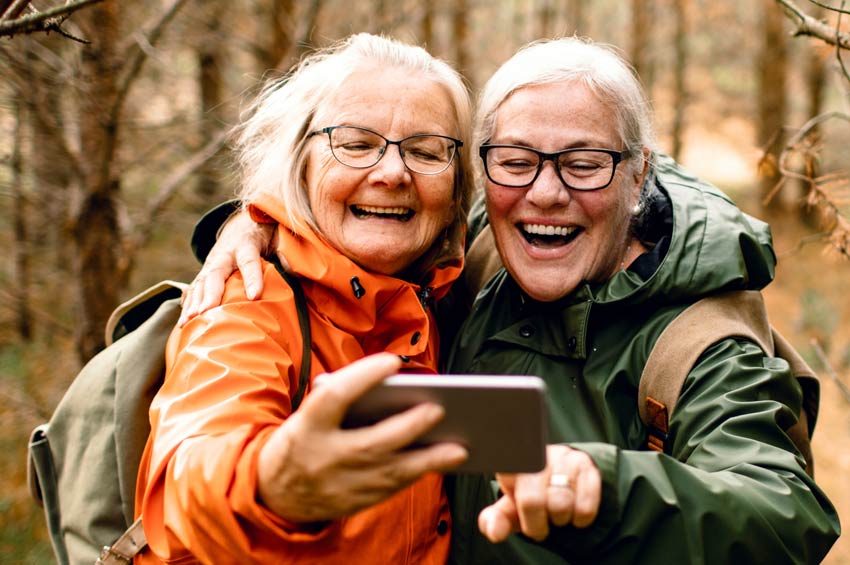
{"x":122,"y":551}
{"x":110,"y":556}
{"x":658,"y":425}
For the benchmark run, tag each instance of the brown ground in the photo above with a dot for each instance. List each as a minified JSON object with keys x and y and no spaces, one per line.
{"x":810,"y":273}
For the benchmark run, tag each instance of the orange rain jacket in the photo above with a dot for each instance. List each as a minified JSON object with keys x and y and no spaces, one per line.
{"x":228,"y":379}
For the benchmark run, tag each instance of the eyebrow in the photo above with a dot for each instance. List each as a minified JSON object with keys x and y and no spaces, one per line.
{"x":576,"y":144}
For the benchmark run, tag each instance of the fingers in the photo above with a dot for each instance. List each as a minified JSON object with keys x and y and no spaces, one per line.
{"x":238,"y":247}
{"x":567,"y":492}
{"x":531,"y":499}
{"x":402,"y":468}
{"x":560,"y":500}
{"x":499,"y":520}
{"x":204,"y":293}
{"x":588,"y":493}
{"x":249,"y":264}
{"x":399,"y":430}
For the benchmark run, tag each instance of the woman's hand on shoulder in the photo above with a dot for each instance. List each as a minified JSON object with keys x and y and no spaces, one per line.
{"x":239,"y":246}
{"x":567,"y":491}
{"x":312,"y":470}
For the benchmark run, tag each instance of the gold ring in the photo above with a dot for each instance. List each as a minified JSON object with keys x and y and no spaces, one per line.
{"x":560,"y":480}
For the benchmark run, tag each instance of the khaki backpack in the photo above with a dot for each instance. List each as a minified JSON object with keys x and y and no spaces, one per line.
{"x":83,"y":463}
{"x":740,"y":314}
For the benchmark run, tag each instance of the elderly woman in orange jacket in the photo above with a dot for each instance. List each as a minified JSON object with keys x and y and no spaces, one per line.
{"x":356,"y":156}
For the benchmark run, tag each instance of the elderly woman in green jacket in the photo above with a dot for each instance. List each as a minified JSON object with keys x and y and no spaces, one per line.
{"x":603,"y":243}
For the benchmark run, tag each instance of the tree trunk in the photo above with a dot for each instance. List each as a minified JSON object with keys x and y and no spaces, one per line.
{"x":546,"y":21}
{"x":641,"y":33}
{"x":815,"y":76}
{"x":680,"y":90}
{"x":96,"y":239}
{"x":210,"y":55}
{"x":460,"y":31}
{"x":277,"y":34}
{"x":426,"y":24}
{"x":772,"y":98}
{"x":22,"y":249}
{"x":576,"y":16}
{"x":48,"y":161}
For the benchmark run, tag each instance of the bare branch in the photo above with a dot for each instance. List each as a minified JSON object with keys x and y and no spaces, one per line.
{"x":302,"y":45}
{"x":838,"y":49}
{"x":842,"y":388}
{"x":807,"y":25}
{"x":821,"y":189}
{"x":15,"y":9}
{"x":139,"y":56}
{"x":170,"y":187}
{"x":50,"y":19}
{"x":828,"y":7}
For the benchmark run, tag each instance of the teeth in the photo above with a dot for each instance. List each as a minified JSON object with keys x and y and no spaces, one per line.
{"x":380,"y":210}
{"x":540,"y":229}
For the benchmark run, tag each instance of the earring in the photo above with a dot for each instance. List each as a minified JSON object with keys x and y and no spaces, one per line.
{"x":637,"y":208}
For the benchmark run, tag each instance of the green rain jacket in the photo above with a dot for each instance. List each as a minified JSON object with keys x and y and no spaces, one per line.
{"x":732,"y":489}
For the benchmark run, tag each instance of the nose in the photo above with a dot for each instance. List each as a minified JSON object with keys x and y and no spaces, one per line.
{"x":548,"y":190}
{"x":390,"y":169}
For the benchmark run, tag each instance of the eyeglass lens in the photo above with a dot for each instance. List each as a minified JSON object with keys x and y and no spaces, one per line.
{"x":580,"y":169}
{"x":361,"y":148}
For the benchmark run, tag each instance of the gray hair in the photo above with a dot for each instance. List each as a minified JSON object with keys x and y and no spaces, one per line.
{"x":599,"y":67}
{"x":271,"y":142}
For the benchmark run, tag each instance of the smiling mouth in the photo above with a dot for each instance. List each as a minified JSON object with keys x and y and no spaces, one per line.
{"x":394,"y":213}
{"x":541,"y":235}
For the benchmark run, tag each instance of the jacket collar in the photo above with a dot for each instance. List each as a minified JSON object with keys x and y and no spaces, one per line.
{"x":381,"y":309}
{"x":556,"y":329}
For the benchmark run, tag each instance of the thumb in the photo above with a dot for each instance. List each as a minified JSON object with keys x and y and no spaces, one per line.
{"x":329,"y":403}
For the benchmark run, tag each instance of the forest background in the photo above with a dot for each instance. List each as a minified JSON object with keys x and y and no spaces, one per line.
{"x":113,"y":141}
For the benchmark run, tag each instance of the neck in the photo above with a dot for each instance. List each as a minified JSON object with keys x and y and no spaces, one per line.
{"x":634,"y":250}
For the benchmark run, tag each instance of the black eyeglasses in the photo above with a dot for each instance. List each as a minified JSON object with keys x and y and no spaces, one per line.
{"x":516,"y":166}
{"x":361,"y":148}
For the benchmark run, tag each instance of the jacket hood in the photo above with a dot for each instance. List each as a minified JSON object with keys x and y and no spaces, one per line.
{"x":713,"y":246}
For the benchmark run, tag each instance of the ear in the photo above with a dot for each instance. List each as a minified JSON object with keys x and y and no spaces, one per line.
{"x":641,"y":172}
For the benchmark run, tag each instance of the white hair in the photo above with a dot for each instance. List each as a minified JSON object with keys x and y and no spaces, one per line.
{"x":599,"y":67}
{"x":271,"y":142}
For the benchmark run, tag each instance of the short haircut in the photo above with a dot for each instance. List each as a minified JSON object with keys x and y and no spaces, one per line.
{"x":600,"y":67}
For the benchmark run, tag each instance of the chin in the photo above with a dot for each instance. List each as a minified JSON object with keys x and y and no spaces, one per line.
{"x":539,"y":286}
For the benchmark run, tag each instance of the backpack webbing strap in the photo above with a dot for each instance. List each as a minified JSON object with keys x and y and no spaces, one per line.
{"x":125,"y":548}
{"x":306,"y":336}
{"x":739,"y":314}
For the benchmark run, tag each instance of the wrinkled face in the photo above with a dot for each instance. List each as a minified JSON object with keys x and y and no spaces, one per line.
{"x":383,"y":217}
{"x":551,"y":238}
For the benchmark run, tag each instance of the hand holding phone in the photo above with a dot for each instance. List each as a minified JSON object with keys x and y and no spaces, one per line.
{"x":500,"y":419}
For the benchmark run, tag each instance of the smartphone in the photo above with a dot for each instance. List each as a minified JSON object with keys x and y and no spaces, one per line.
{"x":500,"y":419}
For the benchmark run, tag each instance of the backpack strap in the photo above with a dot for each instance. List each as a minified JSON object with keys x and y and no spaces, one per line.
{"x":706,"y":322}
{"x":735,"y":314}
{"x":481,"y":262}
{"x":306,"y":336}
